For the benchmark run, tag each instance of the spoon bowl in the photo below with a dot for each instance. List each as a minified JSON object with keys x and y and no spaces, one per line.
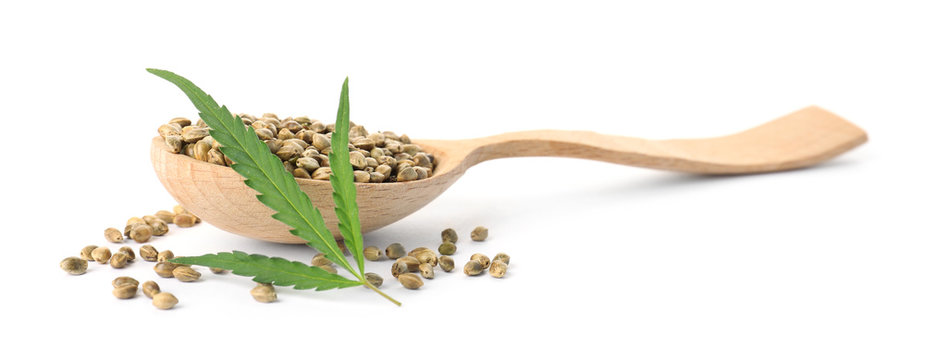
{"x":218,"y":195}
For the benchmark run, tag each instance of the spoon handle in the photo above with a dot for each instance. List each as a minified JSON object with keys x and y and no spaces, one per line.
{"x":800,"y":139}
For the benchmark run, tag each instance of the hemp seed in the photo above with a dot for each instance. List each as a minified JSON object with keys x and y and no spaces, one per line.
{"x":319,"y":260}
{"x":218,"y":271}
{"x":412,"y":262}
{"x":184,"y":220}
{"x":113,"y":235}
{"x":399,"y":268}
{"x":410,"y":281}
{"x":74,"y":265}
{"x":118,"y":260}
{"x":472,"y":268}
{"x":446,"y":263}
{"x":427,"y":270}
{"x":449,"y":235}
{"x":424,"y":255}
{"x":497,"y":269}
{"x":480,"y":233}
{"x":374,"y":279}
{"x":395,"y":251}
{"x":185,"y":273}
{"x":141,"y":232}
{"x":101,"y":254}
{"x":86,"y":251}
{"x":148,"y":253}
{"x":502,"y":257}
{"x":482,"y":259}
{"x":447,"y":248}
{"x":165,"y":215}
{"x":164,"y":300}
{"x":125,"y":291}
{"x":165,"y":269}
{"x":165,"y":255}
{"x":128,"y":251}
{"x":124,"y":280}
{"x":264,"y":293}
{"x":150,"y":288}
{"x":372,"y":253}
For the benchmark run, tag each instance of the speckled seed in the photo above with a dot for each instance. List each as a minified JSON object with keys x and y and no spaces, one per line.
{"x":374,"y":279}
{"x":150,"y":288}
{"x":446,"y":263}
{"x":395,"y":251}
{"x":165,"y":269}
{"x":164,"y":300}
{"x":184,"y":220}
{"x":361,"y":176}
{"x":329,"y":268}
{"x":165,"y":255}
{"x":74,"y":265}
{"x":159,"y":227}
{"x":497,"y":269}
{"x":399,"y":268}
{"x":447,"y":248}
{"x":372,"y":253}
{"x":407,"y":174}
{"x":128,"y":252}
{"x":472,"y":268}
{"x":86,"y":251}
{"x":124,"y":280}
{"x":186,"y":274}
{"x":424,"y":255}
{"x":113,"y":235}
{"x":412,"y":262}
{"x":118,"y":260}
{"x":101,"y":254}
{"x":165,"y":215}
{"x":125,"y":291}
{"x":482,"y":259}
{"x":264,"y":293}
{"x":141,"y":232}
{"x":502,"y":257}
{"x":219,"y":271}
{"x":148,"y":253}
{"x":427,"y":270}
{"x":410,"y":281}
{"x":319,"y":260}
{"x":449,"y":235}
{"x":480,"y":233}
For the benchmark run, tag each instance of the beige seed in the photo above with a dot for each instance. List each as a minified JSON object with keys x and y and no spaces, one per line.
{"x":184,"y":220}
{"x":141,"y":232}
{"x":321,"y":142}
{"x":410,"y":281}
{"x":264,"y":293}
{"x":412,"y":262}
{"x":375,"y":177}
{"x":118,"y":260}
{"x":427,"y":270}
{"x":446,"y":263}
{"x":164,"y":300}
{"x":329,"y":268}
{"x":322,"y":173}
{"x":150,"y":288}
{"x":424,"y":255}
{"x":372,"y":253}
{"x":165,"y":215}
{"x":186,"y":274}
{"x":113,"y":235}
{"x":134,"y":220}
{"x":502,"y":257}
{"x":449,"y":235}
{"x":218,"y":271}
{"x":165,"y":269}
{"x":148,"y":253}
{"x":124,"y":280}
{"x":385,"y":170}
{"x":482,"y":259}
{"x":74,"y":265}
{"x":472,"y":268}
{"x":447,"y":248}
{"x":179,"y":209}
{"x":357,"y":160}
{"x":497,"y":269}
{"x":158,"y":226}
{"x":128,"y":251}
{"x":165,"y":255}
{"x":101,"y":254}
{"x":374,"y":279}
{"x":407,"y":174}
{"x":192,"y":134}
{"x":361,"y":176}
{"x":394,"y":251}
{"x":480,"y":233}
{"x":168,"y":130}
{"x":181,"y":121}
{"x":86,"y":251}
{"x":399,"y":268}
{"x":125,"y":291}
{"x":319,"y":260}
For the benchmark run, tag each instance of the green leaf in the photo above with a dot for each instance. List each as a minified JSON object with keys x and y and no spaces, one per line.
{"x":274,"y":270}
{"x":264,"y":171}
{"x":345,"y":192}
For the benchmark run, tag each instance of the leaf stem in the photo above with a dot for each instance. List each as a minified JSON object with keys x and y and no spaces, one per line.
{"x":373,"y":288}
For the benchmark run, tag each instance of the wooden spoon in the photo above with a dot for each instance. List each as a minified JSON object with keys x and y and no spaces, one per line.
{"x":217,"y":194}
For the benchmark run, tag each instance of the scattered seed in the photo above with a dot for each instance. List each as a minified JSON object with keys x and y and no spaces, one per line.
{"x":158,"y":226}
{"x":319,"y":260}
{"x":372,"y":253}
{"x":179,"y":209}
{"x":264,"y":293}
{"x":101,"y":254}
{"x":165,"y":269}
{"x":502,"y":257}
{"x":329,"y":268}
{"x":498,"y":269}
{"x":124,"y":280}
{"x":148,"y":253}
{"x":141,"y":232}
{"x":410,"y":281}
{"x":74,"y":265}
{"x":126,"y":291}
{"x":472,"y":268}
{"x":113,"y":235}
{"x":446,"y":263}
{"x":150,"y":288}
{"x":394,"y":251}
{"x":482,"y":259}
{"x":118,"y":260}
{"x":85,"y":253}
{"x":219,"y":271}
{"x":185,"y":274}
{"x":134,"y":220}
{"x":374,"y":279}
{"x":412,"y":262}
{"x":165,"y":255}
{"x":399,"y":268}
{"x":480,"y":233}
{"x":165,"y":215}
{"x":184,"y":220}
{"x":427,"y":270}
{"x":424,"y":255}
{"x":164,"y":300}
{"x":128,"y":251}
{"x":449,"y":235}
{"x":447,"y":248}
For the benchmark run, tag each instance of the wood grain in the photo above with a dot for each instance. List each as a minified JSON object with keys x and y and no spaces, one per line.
{"x":218,"y":195}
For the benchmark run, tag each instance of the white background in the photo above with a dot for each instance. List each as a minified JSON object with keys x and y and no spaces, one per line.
{"x":607,"y":261}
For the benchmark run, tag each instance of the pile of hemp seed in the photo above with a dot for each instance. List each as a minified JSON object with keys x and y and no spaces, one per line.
{"x":303,"y":145}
